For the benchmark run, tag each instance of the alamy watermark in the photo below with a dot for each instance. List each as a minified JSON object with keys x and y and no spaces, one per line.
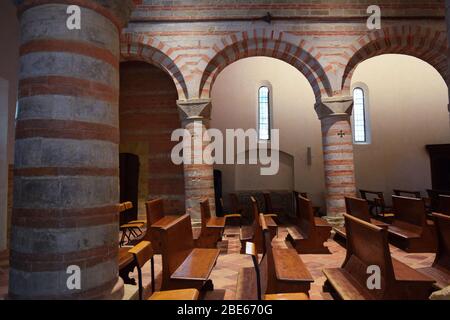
{"x":201,"y":146}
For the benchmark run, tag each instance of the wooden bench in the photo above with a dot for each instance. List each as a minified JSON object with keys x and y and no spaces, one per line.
{"x":183,"y":265}
{"x":410,"y":229}
{"x":444,"y":205}
{"x":309,"y":233}
{"x":280,"y":275}
{"x":235,"y":217}
{"x":434,"y":196}
{"x":131,"y":228}
{"x":211,"y":228}
{"x":440,"y":271}
{"x":253,"y":233}
{"x":358,"y":208}
{"x":155,"y":221}
{"x":408,"y":193}
{"x":270,"y":212}
{"x":377,"y":205}
{"x":142,"y":253}
{"x":367,"y":245}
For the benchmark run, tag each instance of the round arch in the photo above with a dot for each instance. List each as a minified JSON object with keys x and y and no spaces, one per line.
{"x":139,"y":47}
{"x":302,"y":56}
{"x":424,"y":43}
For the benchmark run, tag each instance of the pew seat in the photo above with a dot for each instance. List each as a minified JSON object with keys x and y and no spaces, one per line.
{"x":197,"y":265}
{"x":286,"y":296}
{"x":290,"y":271}
{"x":346,"y":286}
{"x":405,"y":231}
{"x":185,"y":294}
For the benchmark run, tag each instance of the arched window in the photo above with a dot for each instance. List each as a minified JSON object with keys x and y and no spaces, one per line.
{"x":264,"y":113}
{"x":360,"y":132}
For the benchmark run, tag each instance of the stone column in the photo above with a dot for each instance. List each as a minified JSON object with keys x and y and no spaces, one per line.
{"x":66,"y":186}
{"x":337,"y":142}
{"x":198,"y":175}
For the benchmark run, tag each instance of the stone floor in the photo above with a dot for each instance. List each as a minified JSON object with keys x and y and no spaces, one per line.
{"x":230,"y":262}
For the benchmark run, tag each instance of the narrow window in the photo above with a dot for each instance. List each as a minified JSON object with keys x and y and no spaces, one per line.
{"x":264,"y":113}
{"x":359,"y":116}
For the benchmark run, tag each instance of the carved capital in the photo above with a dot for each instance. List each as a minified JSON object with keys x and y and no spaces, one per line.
{"x":334,"y":106}
{"x":194,"y":110}
{"x":117,"y":10}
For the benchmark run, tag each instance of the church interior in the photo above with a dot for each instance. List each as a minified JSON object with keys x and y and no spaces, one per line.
{"x":349,"y":100}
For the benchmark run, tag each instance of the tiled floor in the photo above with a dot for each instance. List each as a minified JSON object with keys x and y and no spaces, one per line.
{"x":230,"y":262}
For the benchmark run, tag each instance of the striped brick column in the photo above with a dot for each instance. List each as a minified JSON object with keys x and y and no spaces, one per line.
{"x":198,"y":175}
{"x":337,"y":142}
{"x":66,"y":187}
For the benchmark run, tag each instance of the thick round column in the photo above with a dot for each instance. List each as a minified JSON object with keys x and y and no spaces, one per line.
{"x":337,"y":142}
{"x":66,"y":186}
{"x":198,"y":175}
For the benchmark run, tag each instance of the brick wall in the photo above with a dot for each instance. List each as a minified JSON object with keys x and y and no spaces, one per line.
{"x":148,"y":115}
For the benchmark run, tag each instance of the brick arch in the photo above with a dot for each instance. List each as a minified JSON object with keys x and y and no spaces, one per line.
{"x":424,"y":43}
{"x":134,"y":46}
{"x":302,"y":56}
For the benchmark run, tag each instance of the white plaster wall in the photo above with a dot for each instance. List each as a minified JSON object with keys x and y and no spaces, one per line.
{"x":234,"y":100}
{"x":408,"y":109}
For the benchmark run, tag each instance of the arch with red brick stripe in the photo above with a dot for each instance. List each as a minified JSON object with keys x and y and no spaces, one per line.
{"x":300,"y":55}
{"x":135,"y":46}
{"x":427,"y":44}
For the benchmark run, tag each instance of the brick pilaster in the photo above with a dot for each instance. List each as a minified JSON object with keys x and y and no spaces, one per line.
{"x":66,"y":187}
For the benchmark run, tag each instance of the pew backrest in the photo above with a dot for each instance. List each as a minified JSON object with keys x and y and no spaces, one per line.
{"x":374,"y":197}
{"x":410,"y":210}
{"x":367,"y":245}
{"x":154,"y":210}
{"x":407,"y":193}
{"x":205,"y":212}
{"x":442,"y":223}
{"x":177,"y":243}
{"x":235,"y":205}
{"x":305,"y":215}
{"x":358,"y":208}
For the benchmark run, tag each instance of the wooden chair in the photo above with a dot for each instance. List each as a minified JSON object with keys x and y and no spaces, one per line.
{"x":281,"y":274}
{"x":444,"y":205}
{"x":185,"y":266}
{"x":358,"y":208}
{"x":142,"y":253}
{"x":440,"y":271}
{"x":377,"y":204}
{"x":407,"y":193}
{"x":269,"y":208}
{"x":234,"y":218}
{"x":253,"y":233}
{"x":367,"y":246}
{"x":309,"y":233}
{"x":130,"y":229}
{"x":410,"y":229}
{"x":211,"y":228}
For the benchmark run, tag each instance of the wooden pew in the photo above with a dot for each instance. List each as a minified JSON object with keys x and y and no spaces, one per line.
{"x":377,"y":204}
{"x":233,"y":218}
{"x":253,"y":233}
{"x":316,"y":209}
{"x":269,"y":208}
{"x":410,"y":229}
{"x":142,"y":253}
{"x":434,"y":196}
{"x":309,"y":233}
{"x":440,"y":271}
{"x":367,"y":245}
{"x":183,"y":265}
{"x":211,"y":230}
{"x":131,"y":228}
{"x":444,"y":205}
{"x":280,"y":275}
{"x":155,"y":221}
{"x":358,"y":208}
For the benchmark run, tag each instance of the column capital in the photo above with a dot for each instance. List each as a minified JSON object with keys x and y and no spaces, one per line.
{"x":194,"y":109}
{"x":334,"y":106}
{"x":119,"y":11}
